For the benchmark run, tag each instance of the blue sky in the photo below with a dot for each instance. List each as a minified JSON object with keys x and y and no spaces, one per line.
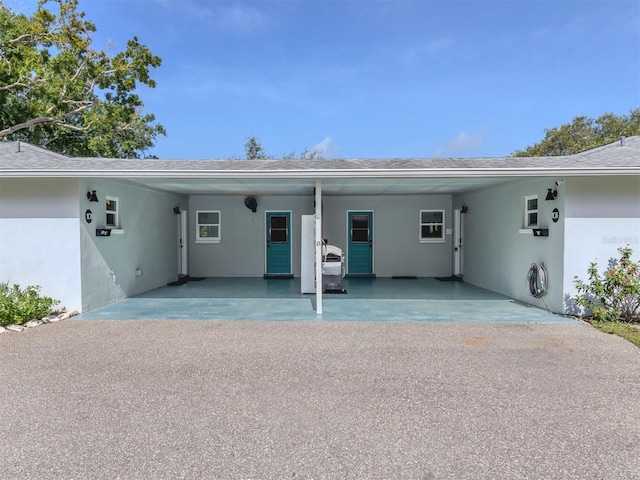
{"x":388,"y":78}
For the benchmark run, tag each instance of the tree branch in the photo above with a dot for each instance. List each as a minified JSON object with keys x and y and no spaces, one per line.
{"x":13,"y":85}
{"x":58,"y":119}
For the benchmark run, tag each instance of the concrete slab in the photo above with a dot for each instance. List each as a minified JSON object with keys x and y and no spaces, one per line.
{"x":372,"y":300}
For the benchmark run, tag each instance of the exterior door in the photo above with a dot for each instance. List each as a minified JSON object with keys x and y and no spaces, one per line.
{"x":360,"y":243}
{"x":278,"y":243}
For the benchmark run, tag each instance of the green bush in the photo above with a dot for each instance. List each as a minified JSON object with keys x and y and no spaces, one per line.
{"x":615,"y":295}
{"x":19,"y":306}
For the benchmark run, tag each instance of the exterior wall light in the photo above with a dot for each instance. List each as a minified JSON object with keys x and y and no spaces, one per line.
{"x":551,"y":194}
{"x":91,"y":196}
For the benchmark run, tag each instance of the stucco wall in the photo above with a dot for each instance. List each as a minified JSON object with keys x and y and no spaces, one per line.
{"x":497,"y":256}
{"x":241,"y":251}
{"x":603,"y":197}
{"x":397,"y":250}
{"x":39,"y":198}
{"x":603,"y":214}
{"x":149,"y":242}
{"x":44,"y":252}
{"x":39,"y":241}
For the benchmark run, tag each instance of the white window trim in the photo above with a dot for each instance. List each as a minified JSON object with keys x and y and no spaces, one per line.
{"x":527,"y":227}
{"x":420,"y":225}
{"x":219,"y":225}
{"x":115,"y":228}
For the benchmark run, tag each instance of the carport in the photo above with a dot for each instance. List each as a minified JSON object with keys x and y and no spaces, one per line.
{"x":359,"y":179}
{"x":118,"y":235}
{"x":367,"y":299}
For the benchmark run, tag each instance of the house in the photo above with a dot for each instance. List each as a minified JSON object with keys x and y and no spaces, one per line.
{"x":93,"y":231}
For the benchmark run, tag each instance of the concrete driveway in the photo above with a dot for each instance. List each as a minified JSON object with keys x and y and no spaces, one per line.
{"x":346,"y":400}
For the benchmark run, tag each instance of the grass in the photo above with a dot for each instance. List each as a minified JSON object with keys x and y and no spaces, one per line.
{"x":628,"y":331}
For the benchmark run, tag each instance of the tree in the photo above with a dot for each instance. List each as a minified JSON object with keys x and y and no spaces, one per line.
{"x":58,"y":92}
{"x":584,"y":133}
{"x":254,"y":151}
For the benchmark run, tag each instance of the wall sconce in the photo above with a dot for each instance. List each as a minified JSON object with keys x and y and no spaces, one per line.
{"x":91,"y":196}
{"x":551,"y":194}
{"x":464,"y":209}
{"x":176,"y":210}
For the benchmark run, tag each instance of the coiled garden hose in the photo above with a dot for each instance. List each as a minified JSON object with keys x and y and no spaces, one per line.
{"x":536,"y":283}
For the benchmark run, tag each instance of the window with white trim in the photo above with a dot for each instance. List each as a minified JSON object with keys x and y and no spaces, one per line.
{"x":531,"y":211}
{"x":432,"y":226}
{"x":112,"y":207}
{"x":208,"y":226}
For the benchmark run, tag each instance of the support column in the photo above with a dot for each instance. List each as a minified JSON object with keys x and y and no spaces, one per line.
{"x":318,"y":201}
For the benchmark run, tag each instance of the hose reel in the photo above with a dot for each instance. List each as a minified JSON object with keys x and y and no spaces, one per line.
{"x":537,"y":282}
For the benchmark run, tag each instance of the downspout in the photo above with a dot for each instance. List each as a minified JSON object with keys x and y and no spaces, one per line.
{"x":318,"y":202}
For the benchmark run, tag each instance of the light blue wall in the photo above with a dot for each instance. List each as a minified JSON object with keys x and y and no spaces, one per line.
{"x":603,"y":215}
{"x":497,"y":255}
{"x":149,"y":242}
{"x":45,"y":239}
{"x":39,"y":197}
{"x":397,"y":250}
{"x":39,"y":241}
{"x":241,"y":251}
{"x":603,"y":197}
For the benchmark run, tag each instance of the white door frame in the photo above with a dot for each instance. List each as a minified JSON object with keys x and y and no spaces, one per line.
{"x":183,"y":242}
{"x":458,"y":236}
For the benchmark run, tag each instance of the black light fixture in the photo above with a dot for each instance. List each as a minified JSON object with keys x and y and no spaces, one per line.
{"x":91,"y":196}
{"x":551,"y":194}
{"x":464,"y":209}
{"x":176,"y":210}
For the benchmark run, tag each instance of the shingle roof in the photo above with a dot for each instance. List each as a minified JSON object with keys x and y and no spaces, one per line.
{"x":24,"y":160}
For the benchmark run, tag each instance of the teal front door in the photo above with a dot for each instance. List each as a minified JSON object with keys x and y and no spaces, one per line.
{"x":360,"y":245}
{"x":278,"y":243}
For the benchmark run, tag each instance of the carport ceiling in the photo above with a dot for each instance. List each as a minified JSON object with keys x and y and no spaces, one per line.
{"x":330,"y":186}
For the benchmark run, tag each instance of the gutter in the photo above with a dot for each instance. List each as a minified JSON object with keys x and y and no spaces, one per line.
{"x":313,"y":174}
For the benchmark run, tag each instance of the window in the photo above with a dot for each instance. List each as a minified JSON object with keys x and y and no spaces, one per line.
{"x":208,"y":226}
{"x":531,"y":211}
{"x":278,"y":229}
{"x":360,"y":230}
{"x":431,"y":226}
{"x":112,"y":212}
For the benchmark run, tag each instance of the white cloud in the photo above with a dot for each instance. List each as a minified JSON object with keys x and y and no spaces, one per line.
{"x":464,"y":144}
{"x":326,"y":148}
{"x":236,"y":18}
{"x":240,"y":18}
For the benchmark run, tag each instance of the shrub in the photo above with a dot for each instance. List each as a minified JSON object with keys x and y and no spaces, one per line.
{"x":615,"y":295}
{"x":19,"y":306}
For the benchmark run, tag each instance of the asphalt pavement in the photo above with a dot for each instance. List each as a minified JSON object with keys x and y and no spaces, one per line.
{"x":318,"y":400}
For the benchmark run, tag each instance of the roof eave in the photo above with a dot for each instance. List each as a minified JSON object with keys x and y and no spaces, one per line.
{"x":350,"y":173}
